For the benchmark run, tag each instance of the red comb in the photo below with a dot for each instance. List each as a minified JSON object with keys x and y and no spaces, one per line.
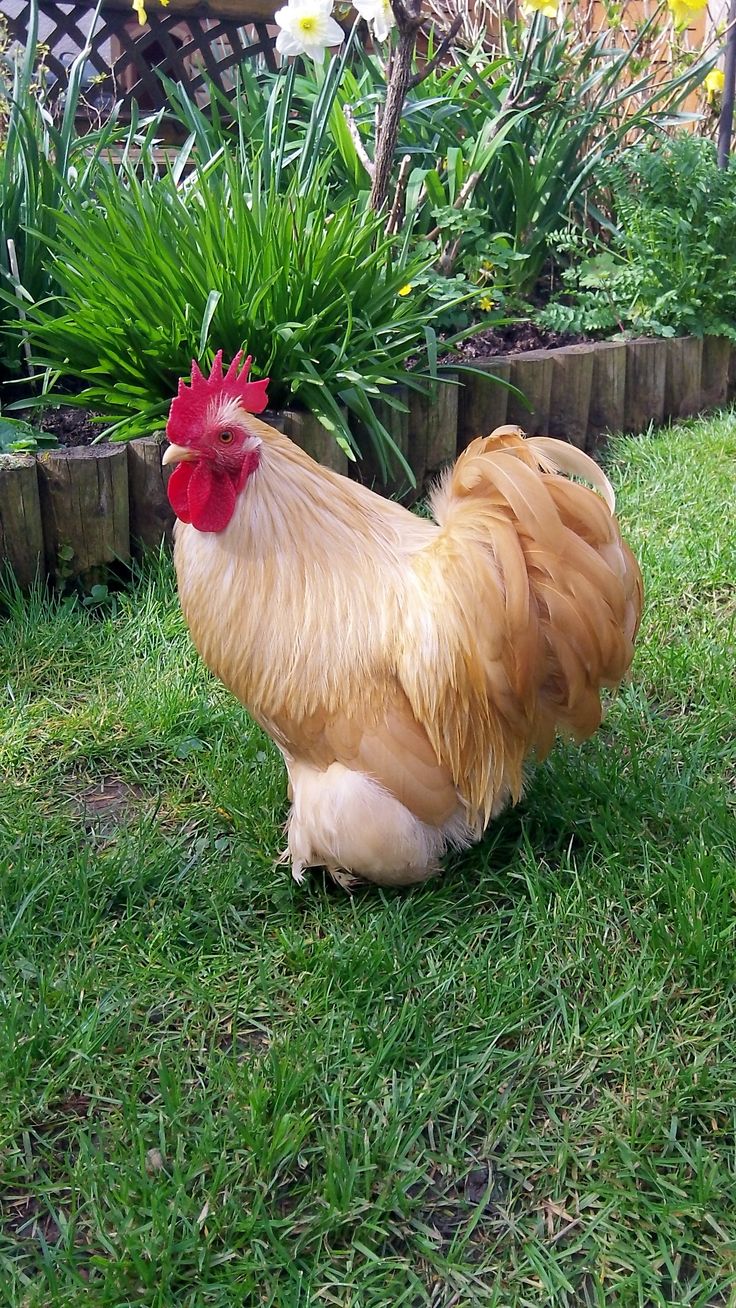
{"x":189,"y":410}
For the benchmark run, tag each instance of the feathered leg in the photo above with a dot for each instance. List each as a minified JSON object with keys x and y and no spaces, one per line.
{"x":344,"y":821}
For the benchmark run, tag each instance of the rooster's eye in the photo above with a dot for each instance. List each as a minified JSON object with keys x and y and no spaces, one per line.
{"x":226,"y":437}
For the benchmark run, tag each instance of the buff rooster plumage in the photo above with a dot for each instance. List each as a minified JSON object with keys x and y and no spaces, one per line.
{"x":405,"y":668}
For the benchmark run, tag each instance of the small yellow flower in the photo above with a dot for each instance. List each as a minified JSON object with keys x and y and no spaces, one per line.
{"x":546,"y":7}
{"x":485,"y":303}
{"x":487,"y":266}
{"x":406,"y":290}
{"x":139,"y":7}
{"x":714,"y":83}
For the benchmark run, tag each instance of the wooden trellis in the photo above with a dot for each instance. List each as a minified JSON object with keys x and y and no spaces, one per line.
{"x":191,"y":44}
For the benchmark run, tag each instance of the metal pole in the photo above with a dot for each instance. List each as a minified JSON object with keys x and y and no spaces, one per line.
{"x":725,"y":122}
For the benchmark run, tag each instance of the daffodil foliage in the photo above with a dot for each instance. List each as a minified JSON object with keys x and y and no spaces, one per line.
{"x":245,"y":252}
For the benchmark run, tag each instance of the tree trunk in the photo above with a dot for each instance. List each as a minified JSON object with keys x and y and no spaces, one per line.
{"x":388,"y":135}
{"x":725,"y":122}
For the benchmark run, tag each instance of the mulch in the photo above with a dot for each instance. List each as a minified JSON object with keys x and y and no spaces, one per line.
{"x":511,"y":338}
{"x":69,"y":424}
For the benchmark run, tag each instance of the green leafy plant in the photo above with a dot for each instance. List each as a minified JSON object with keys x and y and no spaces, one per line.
{"x":43,"y":160}
{"x":160,"y":271}
{"x":669,"y":266}
{"x":517,"y":138}
{"x":17,"y":436}
{"x":498,"y":145}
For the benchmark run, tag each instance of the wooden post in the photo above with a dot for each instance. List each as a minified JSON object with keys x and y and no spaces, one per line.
{"x":483,"y":400}
{"x":646,"y":366}
{"x":151,"y":515}
{"x":432,"y":428}
{"x":716,"y":361}
{"x":732,"y":374}
{"x":572,"y":380}
{"x":275,"y":418}
{"x":442,"y":424}
{"x":607,"y":391}
{"x":307,"y":432}
{"x":368,"y":469}
{"x":84,"y":507}
{"x":531,"y":373}
{"x":21,"y":534}
{"x":682,"y":379}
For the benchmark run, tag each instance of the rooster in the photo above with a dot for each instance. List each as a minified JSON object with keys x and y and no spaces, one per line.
{"x":405,"y":668}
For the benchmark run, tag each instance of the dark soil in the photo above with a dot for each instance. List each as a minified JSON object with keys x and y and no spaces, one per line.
{"x":70,"y":425}
{"x":513,"y":338}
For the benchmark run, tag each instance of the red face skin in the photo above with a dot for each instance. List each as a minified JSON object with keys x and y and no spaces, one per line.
{"x":211,"y":443}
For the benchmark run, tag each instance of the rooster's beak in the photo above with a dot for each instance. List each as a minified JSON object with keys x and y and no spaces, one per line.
{"x":178,"y":454}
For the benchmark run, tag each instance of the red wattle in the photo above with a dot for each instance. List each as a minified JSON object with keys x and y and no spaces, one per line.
{"x":178,"y":490}
{"x":212,"y":498}
{"x":202,"y":495}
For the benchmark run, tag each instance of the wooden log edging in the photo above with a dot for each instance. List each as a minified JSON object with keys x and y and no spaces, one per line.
{"x":84,"y":508}
{"x":607,"y":392}
{"x":21,"y":532}
{"x":646,"y":370}
{"x":732,"y":375}
{"x":572,"y":384}
{"x":65,"y":513}
{"x":716,"y":364}
{"x":683,"y":376}
{"x":151,"y":515}
{"x":482,"y":402}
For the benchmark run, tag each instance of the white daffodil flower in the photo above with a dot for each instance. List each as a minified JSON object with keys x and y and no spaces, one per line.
{"x":378,"y":14}
{"x":307,"y":27}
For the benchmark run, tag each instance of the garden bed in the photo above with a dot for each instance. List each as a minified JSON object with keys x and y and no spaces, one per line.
{"x":69,"y":512}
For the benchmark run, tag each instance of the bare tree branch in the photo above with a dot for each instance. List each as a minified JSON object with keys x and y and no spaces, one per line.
{"x":396,"y":216}
{"x":446,"y":261}
{"x":440,"y":53}
{"x":357,"y":139}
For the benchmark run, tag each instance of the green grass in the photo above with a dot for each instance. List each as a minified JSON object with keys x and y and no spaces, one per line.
{"x":514,"y":1086}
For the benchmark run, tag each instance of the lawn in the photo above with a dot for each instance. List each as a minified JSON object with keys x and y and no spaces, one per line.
{"x":514,"y":1086}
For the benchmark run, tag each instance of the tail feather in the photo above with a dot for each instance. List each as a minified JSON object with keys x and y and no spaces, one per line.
{"x":572,"y":591}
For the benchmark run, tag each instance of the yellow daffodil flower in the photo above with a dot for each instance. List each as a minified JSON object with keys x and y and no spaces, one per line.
{"x":684,"y":11}
{"x":546,"y":7}
{"x":714,"y":83}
